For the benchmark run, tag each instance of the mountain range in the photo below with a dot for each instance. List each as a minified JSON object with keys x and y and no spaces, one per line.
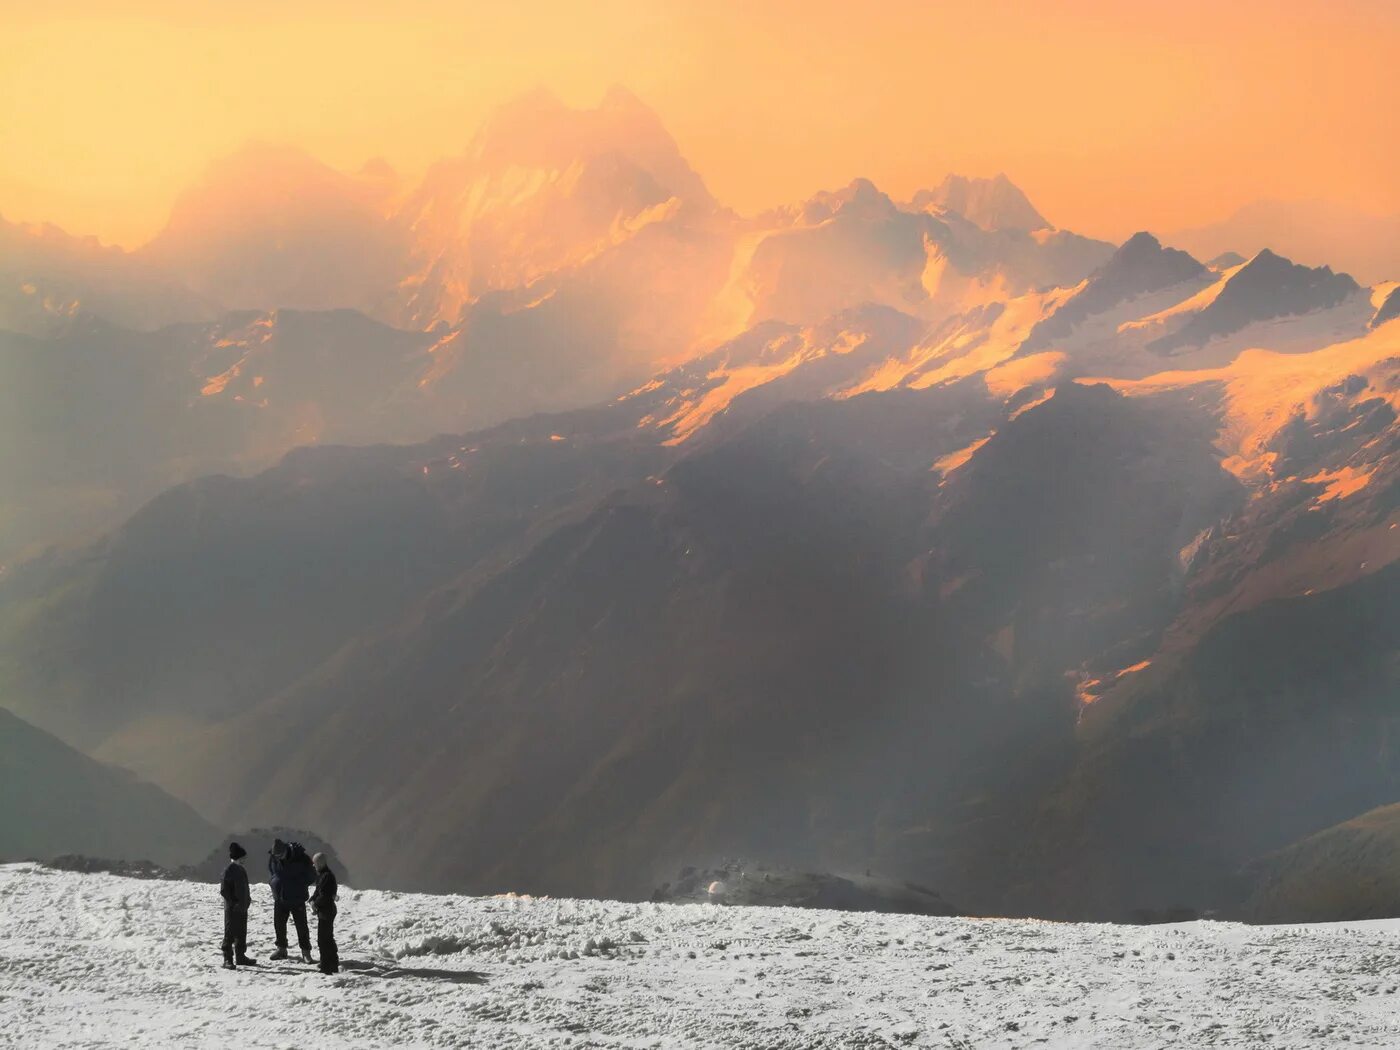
{"x":549,"y":527}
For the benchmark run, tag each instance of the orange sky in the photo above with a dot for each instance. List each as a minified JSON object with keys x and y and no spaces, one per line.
{"x":1111,"y":114}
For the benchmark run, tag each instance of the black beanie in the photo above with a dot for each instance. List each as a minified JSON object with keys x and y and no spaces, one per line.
{"x":235,"y":850}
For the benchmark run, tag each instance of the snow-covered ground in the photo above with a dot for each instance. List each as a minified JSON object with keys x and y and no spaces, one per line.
{"x":96,"y":960}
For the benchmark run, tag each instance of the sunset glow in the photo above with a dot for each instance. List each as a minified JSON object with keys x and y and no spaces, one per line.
{"x":1112,"y":116}
{"x":768,"y":456}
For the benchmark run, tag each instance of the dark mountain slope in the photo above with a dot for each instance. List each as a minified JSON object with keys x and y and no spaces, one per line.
{"x":243,"y":585}
{"x":757,"y":653}
{"x":1266,"y":710}
{"x":54,"y":800}
{"x":1346,"y":872}
{"x":676,"y":660}
{"x":1278,"y":723}
{"x":903,"y":630}
{"x":1081,"y":504}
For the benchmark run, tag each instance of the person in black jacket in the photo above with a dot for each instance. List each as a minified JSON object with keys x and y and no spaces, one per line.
{"x":291,"y":875}
{"x":233,"y":888}
{"x":323,"y":904}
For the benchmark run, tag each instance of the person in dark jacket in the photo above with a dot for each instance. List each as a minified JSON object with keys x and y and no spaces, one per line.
{"x":233,"y":888}
{"x":291,"y":875}
{"x":323,"y":904}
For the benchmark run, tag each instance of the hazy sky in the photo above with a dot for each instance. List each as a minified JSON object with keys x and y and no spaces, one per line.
{"x":1111,"y":114}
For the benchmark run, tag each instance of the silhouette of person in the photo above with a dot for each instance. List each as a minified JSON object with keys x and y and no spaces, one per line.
{"x":234,"y":890}
{"x":291,"y":875}
{"x":323,"y":904}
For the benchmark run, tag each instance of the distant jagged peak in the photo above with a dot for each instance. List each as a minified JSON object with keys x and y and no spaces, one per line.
{"x":859,"y":197}
{"x":1266,"y":259}
{"x":1226,"y":261}
{"x":1143,"y":263}
{"x":539,"y":130}
{"x":996,"y":203}
{"x":1266,"y":287}
{"x":1269,"y":272}
{"x":1139,"y":266}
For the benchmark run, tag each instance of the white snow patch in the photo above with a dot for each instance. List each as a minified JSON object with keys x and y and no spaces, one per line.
{"x":96,"y":960}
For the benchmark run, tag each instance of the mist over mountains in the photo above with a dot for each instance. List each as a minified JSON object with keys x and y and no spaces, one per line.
{"x":547,"y":526}
{"x":1308,"y":231}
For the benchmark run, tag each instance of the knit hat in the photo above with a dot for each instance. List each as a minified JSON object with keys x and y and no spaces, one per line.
{"x":236,"y":851}
{"x":279,"y":848}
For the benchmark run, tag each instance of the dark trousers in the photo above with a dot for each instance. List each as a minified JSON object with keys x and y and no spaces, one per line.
{"x":297,"y":910}
{"x":235,"y":931}
{"x":325,"y":941}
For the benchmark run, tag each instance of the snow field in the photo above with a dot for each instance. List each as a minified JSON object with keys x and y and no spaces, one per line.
{"x":96,"y":960}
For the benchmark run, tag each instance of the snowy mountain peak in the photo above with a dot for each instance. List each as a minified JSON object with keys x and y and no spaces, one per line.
{"x":994,"y":204}
{"x":859,"y":197}
{"x":1139,"y":266}
{"x":1389,"y":308}
{"x":1266,"y":287}
{"x":538,"y":131}
{"x":544,"y":189}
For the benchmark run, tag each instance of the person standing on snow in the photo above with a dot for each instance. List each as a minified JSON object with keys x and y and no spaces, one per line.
{"x":233,"y":888}
{"x":290,"y":873}
{"x":323,"y":904}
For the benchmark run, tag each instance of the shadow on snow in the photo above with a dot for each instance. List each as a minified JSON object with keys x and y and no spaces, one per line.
{"x":393,"y":973}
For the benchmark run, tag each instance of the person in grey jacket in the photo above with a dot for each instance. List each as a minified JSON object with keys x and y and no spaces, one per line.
{"x":233,"y":888}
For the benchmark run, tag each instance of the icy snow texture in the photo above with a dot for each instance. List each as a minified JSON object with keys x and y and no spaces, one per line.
{"x":97,"y":960}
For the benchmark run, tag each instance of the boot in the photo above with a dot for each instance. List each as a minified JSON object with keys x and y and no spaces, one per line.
{"x":243,"y":960}
{"x":306,"y":955}
{"x":228,"y":965}
{"x":280,"y":953}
